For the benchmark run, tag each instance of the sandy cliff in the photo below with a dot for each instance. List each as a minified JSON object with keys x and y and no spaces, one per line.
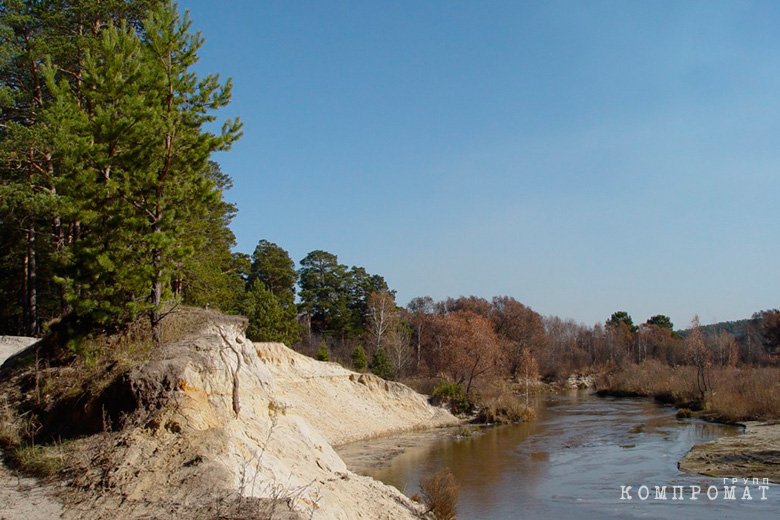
{"x":216,"y":426}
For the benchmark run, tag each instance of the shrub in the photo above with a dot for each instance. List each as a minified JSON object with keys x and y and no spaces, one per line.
{"x":359,"y":359}
{"x":683,"y":413}
{"x":507,"y":410}
{"x":440,"y":492}
{"x":452,"y":396}
{"x":745,"y":394}
{"x":380,"y":365}
{"x":323,"y":354}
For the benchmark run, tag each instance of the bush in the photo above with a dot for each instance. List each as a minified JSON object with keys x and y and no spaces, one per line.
{"x":745,"y":394}
{"x":323,"y":354}
{"x":440,"y":492}
{"x":507,"y":410}
{"x":683,"y":413}
{"x":380,"y":365}
{"x":452,"y":396}
{"x":359,"y":359}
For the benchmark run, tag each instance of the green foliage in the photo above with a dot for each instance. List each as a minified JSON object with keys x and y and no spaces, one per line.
{"x":621,"y":318}
{"x":270,"y":301}
{"x":111,"y":124}
{"x":359,"y":359}
{"x":268,"y":319}
{"x":324,"y":293}
{"x":274,"y":267}
{"x":213,"y":276}
{"x":452,"y":395}
{"x":661,"y":321}
{"x":380,"y":365}
{"x":335,"y":297}
{"x":323,"y":354}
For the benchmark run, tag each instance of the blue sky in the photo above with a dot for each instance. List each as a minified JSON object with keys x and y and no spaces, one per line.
{"x":583,"y":157}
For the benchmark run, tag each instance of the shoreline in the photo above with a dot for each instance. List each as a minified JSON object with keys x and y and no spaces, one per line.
{"x":366,"y":455}
{"x":755,"y":453}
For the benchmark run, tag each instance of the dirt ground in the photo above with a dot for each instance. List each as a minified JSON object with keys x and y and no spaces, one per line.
{"x":23,"y":498}
{"x":26,"y":499}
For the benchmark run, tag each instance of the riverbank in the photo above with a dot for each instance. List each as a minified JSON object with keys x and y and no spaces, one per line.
{"x":210,"y":425}
{"x":756,"y":453}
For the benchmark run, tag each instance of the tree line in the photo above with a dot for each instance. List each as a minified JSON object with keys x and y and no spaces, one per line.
{"x":348,"y":315}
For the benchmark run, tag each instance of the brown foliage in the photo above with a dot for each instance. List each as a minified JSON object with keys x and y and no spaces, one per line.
{"x":770,"y":330}
{"x":463,"y":346}
{"x":746,"y":394}
{"x":473,"y":304}
{"x":499,"y":405}
{"x":440,"y":492}
{"x":520,"y":327}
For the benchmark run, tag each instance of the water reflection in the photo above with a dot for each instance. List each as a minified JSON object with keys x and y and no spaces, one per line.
{"x":571,"y":461}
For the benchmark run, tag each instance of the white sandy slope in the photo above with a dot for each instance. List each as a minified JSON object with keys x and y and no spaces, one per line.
{"x":227,"y":418}
{"x":291,"y":411}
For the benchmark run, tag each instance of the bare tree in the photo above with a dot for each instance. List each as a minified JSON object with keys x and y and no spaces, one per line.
{"x":382,"y":316}
{"x":420,"y":309}
{"x":700,"y":357}
{"x":529,"y":370}
{"x":398,"y":346}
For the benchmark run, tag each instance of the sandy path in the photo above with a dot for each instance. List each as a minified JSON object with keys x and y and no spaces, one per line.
{"x":23,"y":498}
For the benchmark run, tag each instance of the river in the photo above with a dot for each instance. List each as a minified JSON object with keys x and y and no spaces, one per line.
{"x":569,"y":463}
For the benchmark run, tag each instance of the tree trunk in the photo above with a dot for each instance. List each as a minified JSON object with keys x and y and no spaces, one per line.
{"x":32,"y":328}
{"x":156,"y":297}
{"x":25,"y":320}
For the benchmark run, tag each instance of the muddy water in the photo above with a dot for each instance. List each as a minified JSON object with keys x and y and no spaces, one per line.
{"x":569,"y":463}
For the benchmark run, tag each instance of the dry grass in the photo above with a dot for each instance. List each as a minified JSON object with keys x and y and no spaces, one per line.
{"x":39,"y":461}
{"x":652,"y":379}
{"x":743,"y":394}
{"x":499,"y":405}
{"x":736,"y":394}
{"x":440,"y":493}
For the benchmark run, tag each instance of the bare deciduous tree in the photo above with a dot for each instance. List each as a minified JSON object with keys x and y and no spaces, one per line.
{"x":700,"y":357}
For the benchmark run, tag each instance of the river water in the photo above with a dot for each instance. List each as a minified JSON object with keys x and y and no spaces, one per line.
{"x":569,"y":463}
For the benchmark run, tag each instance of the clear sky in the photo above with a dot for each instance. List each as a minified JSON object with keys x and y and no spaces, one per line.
{"x":581,"y":156}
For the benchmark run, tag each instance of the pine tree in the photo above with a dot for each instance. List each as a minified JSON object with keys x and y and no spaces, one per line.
{"x":359,"y":359}
{"x":213,"y":276}
{"x":268,"y":319}
{"x":380,"y":365}
{"x":33,"y":206}
{"x":135,"y":149}
{"x":273,"y":269}
{"x":323,"y":354}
